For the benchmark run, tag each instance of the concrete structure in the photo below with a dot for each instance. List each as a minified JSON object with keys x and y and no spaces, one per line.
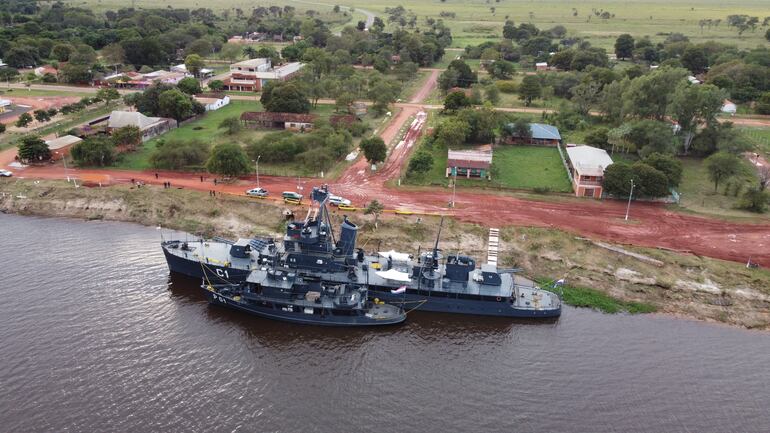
{"x":182,"y":68}
{"x":61,"y":146}
{"x":540,"y":135}
{"x":47,"y":69}
{"x":468,"y":163}
{"x":150,"y":126}
{"x":586,"y":165}
{"x":290,"y":121}
{"x":729,"y":107}
{"x":212,"y":104}
{"x":252,"y":75}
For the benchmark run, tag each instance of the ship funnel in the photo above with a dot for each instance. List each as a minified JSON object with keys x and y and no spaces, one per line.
{"x":348,"y":234}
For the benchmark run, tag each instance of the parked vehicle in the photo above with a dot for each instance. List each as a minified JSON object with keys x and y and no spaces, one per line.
{"x":336,"y":200}
{"x":346,"y":207}
{"x":5,"y":173}
{"x":291,"y":195}
{"x":257,"y":192}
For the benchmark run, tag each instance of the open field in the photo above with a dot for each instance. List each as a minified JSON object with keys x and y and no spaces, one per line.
{"x":697,"y":190}
{"x":529,"y":167}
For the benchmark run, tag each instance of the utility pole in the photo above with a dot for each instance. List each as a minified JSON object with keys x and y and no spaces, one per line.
{"x":628,"y":208}
{"x":256,"y":164}
{"x":454,"y":187}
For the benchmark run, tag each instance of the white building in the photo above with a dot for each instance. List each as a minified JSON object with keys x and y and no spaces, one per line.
{"x":252,"y":75}
{"x":212,"y":104}
{"x":182,"y":68}
{"x":729,"y":107}
{"x":5,"y":105}
{"x":586,"y":166}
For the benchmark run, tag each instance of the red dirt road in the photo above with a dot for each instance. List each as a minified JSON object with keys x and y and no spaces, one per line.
{"x":650,"y":225}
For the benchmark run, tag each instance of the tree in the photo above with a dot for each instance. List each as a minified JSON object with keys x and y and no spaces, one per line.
{"x":228,"y":159}
{"x":344,"y":101}
{"x":649,"y":136}
{"x":465,"y":76}
{"x":76,"y":73}
{"x":175,"y":104}
{"x":755,"y":200}
{"x":374,"y":149}
{"x":284,"y":97}
{"x":33,"y":148}
{"x":649,"y":95}
{"x":24,"y":120}
{"x":189,"y":85}
{"x":176,"y":154}
{"x":521,"y":129}
{"x":492,"y":93}
{"x":62,"y":52}
{"x":530,"y":89}
{"x":42,"y":116}
{"x":617,"y":179}
{"x":649,"y":182}
{"x":721,"y":166}
{"x":201,"y":47}
{"x":216,"y":85}
{"x":194,"y":63}
{"x":501,"y":70}
{"x":585,"y":95}
{"x":94,"y":151}
{"x":114,"y":54}
{"x":420,"y":163}
{"x":232,"y":125}
{"x":127,"y":137}
{"x":374,"y":208}
{"x":667,"y":165}
{"x":452,"y":132}
{"x":509,"y":30}
{"x":694,"y":58}
{"x":448,"y":79}
{"x":598,"y":137}
{"x":624,"y":46}
{"x":108,"y":95}
{"x":230,"y":52}
{"x":763,"y":104}
{"x":456,"y":100}
{"x":693,"y":106}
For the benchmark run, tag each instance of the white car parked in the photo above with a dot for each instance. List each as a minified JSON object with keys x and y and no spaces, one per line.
{"x":257,"y":192}
{"x":336,"y":200}
{"x":5,"y":173}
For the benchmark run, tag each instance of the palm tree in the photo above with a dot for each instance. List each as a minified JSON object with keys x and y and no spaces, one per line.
{"x":250,"y":52}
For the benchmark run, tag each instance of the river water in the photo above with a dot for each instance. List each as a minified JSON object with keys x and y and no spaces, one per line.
{"x":95,"y":336}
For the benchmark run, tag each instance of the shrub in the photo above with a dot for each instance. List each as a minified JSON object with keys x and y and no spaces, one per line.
{"x":176,"y":154}
{"x":97,"y":151}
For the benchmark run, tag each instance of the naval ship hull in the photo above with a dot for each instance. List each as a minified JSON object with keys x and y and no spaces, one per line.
{"x":274,"y":313}
{"x":440,"y":304}
{"x":433,"y":303}
{"x":195,"y":269}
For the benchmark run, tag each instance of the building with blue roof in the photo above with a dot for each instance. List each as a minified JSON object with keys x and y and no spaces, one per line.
{"x":541,"y":135}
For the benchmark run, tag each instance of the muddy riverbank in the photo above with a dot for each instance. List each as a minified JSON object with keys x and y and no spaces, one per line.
{"x":673,"y":283}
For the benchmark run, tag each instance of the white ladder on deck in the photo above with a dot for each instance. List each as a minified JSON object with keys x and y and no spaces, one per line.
{"x":493,"y":246}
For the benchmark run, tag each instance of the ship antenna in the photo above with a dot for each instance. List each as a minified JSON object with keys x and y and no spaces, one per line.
{"x":435,"y":247}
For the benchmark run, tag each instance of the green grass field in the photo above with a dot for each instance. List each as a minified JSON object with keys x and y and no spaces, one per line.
{"x":697,"y":190}
{"x":530,"y":167}
{"x":521,"y":167}
{"x":475,"y":22}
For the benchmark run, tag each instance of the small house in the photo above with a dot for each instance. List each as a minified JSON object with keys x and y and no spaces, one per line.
{"x":289,"y":121}
{"x":212,"y":103}
{"x":150,"y":126}
{"x":541,"y":66}
{"x":729,"y":107}
{"x":61,"y":146}
{"x":586,"y":166}
{"x":468,"y":163}
{"x":540,"y":135}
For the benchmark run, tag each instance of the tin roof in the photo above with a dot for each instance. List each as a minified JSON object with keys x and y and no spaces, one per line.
{"x":588,"y":160}
{"x":469,"y":158}
{"x":262,"y":116}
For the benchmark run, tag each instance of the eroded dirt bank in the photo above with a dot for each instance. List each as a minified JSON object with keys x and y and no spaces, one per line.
{"x":680,"y":284}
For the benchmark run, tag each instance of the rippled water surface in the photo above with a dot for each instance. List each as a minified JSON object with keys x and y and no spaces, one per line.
{"x":95,"y":336}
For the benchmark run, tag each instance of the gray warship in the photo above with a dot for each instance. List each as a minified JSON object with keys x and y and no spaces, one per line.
{"x":310,"y":255}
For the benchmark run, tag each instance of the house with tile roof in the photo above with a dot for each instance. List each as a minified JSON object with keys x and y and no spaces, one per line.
{"x":586,"y":165}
